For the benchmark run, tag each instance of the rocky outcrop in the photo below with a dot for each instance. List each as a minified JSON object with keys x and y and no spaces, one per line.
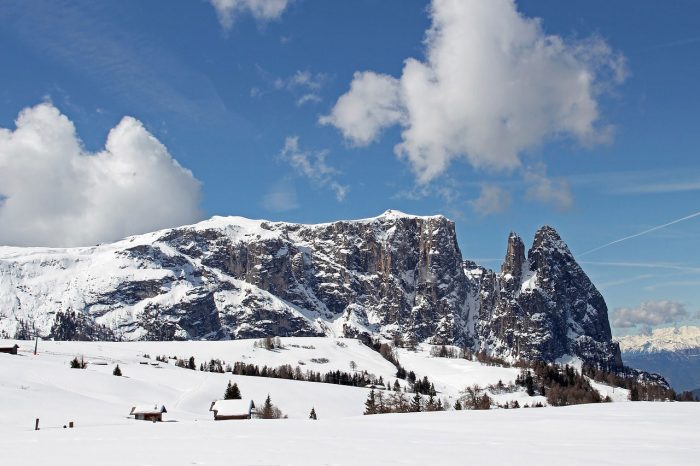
{"x":392,"y":275}
{"x":543,"y":306}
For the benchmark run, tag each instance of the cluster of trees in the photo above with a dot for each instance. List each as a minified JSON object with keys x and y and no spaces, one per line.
{"x":269,"y":343}
{"x":562,"y":386}
{"x":387,"y":352}
{"x":444,"y":351}
{"x":422,"y":386}
{"x":473,"y":397}
{"x":186,"y":363}
{"x":355,"y":379}
{"x":398,"y":402}
{"x":78,"y":363}
{"x":232,"y":392}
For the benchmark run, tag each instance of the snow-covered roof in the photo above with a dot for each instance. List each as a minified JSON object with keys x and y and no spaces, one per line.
{"x":232,"y":407}
{"x":148,"y":409}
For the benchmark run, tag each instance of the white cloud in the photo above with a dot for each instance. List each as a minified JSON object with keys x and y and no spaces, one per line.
{"x":492,"y":200}
{"x":303,"y":84}
{"x":281,"y":197}
{"x":649,"y":313}
{"x":262,"y":10}
{"x":372,"y":104}
{"x":313,"y":166}
{"x":57,"y":194}
{"x":493,"y":84}
{"x":548,"y":191}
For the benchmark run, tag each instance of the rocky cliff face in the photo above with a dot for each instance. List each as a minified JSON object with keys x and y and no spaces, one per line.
{"x":236,"y":278}
{"x":542,"y":306}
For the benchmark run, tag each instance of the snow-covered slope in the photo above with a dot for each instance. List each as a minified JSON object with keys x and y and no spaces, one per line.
{"x":671,"y":352}
{"x":44,"y":387}
{"x":32,"y":381}
{"x":231,"y":277}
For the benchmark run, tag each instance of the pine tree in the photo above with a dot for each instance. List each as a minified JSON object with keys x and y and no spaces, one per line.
{"x":117,"y":371}
{"x":430,"y":405}
{"x":397,"y":387}
{"x":458,"y":406}
{"x":190,"y":364}
{"x":416,"y":403}
{"x":370,"y":404}
{"x":232,"y":392}
{"x":312,"y":415}
{"x":634,"y":394}
{"x":267,"y":411}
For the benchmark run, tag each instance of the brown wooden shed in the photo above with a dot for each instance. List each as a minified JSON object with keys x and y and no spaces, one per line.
{"x":148,"y":413}
{"x":232,"y":409}
{"x":9,"y":349}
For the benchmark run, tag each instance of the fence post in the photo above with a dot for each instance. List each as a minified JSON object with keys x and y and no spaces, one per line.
{"x":36,"y":425}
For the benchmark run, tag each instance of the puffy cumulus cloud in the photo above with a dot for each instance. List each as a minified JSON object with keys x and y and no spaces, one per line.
{"x":372,"y":104}
{"x":543,"y":189}
{"x":313,"y":166}
{"x":493,"y":84}
{"x":492,"y":200}
{"x":649,"y":313}
{"x":57,"y":194}
{"x":262,"y":10}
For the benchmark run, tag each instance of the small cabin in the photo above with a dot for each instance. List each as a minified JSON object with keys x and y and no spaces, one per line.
{"x":148,"y":413}
{"x":9,"y":349}
{"x":232,"y":409}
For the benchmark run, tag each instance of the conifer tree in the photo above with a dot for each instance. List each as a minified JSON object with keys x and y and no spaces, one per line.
{"x":117,"y":371}
{"x":381,"y":406}
{"x":267,"y":411}
{"x":458,"y":406}
{"x":190,"y":364}
{"x":232,"y":392}
{"x":370,"y":404}
{"x":430,"y":405}
{"x":397,"y":387}
{"x":416,"y":403}
{"x":312,"y":415}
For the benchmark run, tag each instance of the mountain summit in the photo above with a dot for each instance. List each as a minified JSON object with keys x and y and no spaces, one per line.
{"x":395,"y":275}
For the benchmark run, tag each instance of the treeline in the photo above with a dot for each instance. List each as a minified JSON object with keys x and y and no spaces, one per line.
{"x":398,"y":402}
{"x":286,"y":371}
{"x":562,"y":386}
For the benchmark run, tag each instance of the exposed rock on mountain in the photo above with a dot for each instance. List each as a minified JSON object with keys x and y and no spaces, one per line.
{"x":395,"y":274}
{"x":543,"y":306}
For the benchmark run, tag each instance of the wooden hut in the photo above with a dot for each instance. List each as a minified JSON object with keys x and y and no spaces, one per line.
{"x":9,"y":349}
{"x":148,"y":413}
{"x":232,"y":409}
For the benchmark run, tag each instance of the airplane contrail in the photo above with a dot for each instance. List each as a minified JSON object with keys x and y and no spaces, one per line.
{"x":659,"y":227}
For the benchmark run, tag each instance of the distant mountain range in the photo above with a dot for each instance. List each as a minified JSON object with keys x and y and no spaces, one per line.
{"x":671,"y":352}
{"x":395,"y":275}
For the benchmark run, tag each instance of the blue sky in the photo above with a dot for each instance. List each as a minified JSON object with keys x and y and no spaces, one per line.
{"x":241,"y":105}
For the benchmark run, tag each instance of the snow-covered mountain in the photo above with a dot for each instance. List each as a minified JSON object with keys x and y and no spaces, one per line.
{"x":231,"y":277}
{"x":671,"y":352}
